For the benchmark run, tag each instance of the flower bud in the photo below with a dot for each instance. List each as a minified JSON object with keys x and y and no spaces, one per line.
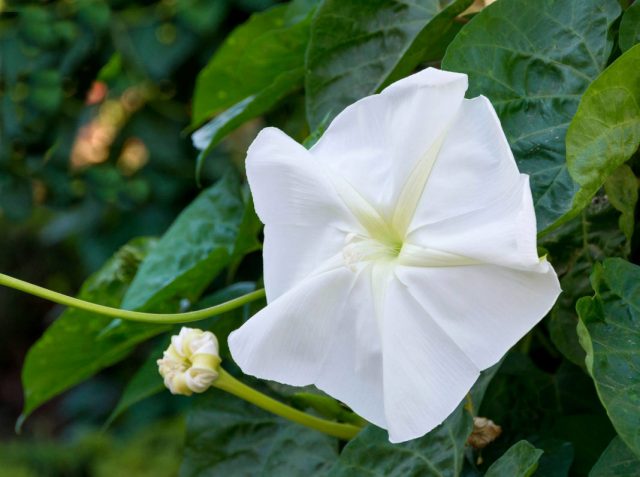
{"x":190,"y":364}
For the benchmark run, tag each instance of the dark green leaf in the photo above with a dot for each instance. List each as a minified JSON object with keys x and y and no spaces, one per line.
{"x":616,"y":461}
{"x":534,"y":60}
{"x":557,"y":458}
{"x":145,"y":383}
{"x":609,"y":331}
{"x":439,"y":453}
{"x":199,"y":244}
{"x":265,"y":53}
{"x":357,"y":47}
{"x":573,"y":249}
{"x":605,"y":131}
{"x":521,"y":460}
{"x":227,"y":436}
{"x":79,"y":344}
{"x":630,"y":27}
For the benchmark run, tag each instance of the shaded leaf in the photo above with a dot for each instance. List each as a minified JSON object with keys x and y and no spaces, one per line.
{"x":609,"y":331}
{"x":200,"y":243}
{"x":622,"y":191}
{"x":534,"y":60}
{"x":439,"y":453}
{"x":605,"y":131}
{"x":228,"y":436}
{"x":521,"y":460}
{"x":358,"y":47}
{"x":573,"y":249}
{"x":79,"y":344}
{"x":630,"y":27}
{"x":144,"y":384}
{"x":616,"y":461}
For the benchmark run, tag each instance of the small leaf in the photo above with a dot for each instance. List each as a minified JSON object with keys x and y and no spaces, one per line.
{"x":521,"y":460}
{"x":227,"y":436}
{"x":534,"y":60}
{"x":200,"y":243}
{"x":79,"y":344}
{"x":605,"y":131}
{"x":358,"y":47}
{"x":609,"y":331}
{"x":630,"y":27}
{"x":622,"y":191}
{"x":616,"y":461}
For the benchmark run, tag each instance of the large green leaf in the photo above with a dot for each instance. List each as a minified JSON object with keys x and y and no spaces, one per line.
{"x":534,"y":60}
{"x":227,"y":436}
{"x":79,"y":344}
{"x":357,"y":47}
{"x":630,"y":27}
{"x":265,"y":53}
{"x":199,"y":244}
{"x":439,"y":453}
{"x":521,"y":460}
{"x":616,"y":461}
{"x":605,"y":131}
{"x":609,"y":330}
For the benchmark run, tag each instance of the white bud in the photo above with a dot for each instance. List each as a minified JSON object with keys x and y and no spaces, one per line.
{"x":190,"y":364}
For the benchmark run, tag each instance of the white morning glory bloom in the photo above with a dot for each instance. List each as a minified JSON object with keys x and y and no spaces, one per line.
{"x":400,"y":254}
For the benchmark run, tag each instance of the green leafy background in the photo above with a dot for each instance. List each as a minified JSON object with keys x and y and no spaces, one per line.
{"x":157,"y":224}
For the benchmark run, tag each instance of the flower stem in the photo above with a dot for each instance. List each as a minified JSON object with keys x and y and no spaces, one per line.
{"x":228,"y":383}
{"x":162,"y":318}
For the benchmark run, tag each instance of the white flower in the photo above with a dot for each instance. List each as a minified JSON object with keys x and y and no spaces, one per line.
{"x":190,"y":364}
{"x":399,"y":257}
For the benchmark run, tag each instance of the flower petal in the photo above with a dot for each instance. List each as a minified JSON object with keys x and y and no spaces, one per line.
{"x":309,"y":335}
{"x":476,"y":203}
{"x":291,"y":253}
{"x":484,"y":309}
{"x":376,"y":142}
{"x":426,"y":375}
{"x":288,"y":185}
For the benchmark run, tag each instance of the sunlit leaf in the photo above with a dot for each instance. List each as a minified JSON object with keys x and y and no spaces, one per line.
{"x":605,"y":131}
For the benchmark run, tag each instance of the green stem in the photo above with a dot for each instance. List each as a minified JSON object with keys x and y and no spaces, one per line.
{"x":228,"y":383}
{"x":163,"y":318}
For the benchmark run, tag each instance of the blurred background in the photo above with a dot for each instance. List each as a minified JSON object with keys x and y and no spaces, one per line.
{"x":94,"y":150}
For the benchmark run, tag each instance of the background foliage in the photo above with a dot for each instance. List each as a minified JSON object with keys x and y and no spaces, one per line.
{"x":98,"y":178}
